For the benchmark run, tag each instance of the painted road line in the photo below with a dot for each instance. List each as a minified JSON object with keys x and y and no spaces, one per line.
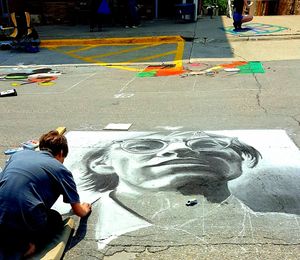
{"x":152,"y":57}
{"x":123,"y":51}
{"x":137,"y":44}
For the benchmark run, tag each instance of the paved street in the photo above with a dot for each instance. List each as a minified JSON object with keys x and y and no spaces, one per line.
{"x":100,"y":84}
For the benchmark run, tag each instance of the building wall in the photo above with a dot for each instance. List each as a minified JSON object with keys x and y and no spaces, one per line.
{"x":276,"y":7}
{"x":289,"y":7}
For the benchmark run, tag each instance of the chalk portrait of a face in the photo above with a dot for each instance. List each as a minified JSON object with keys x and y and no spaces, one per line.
{"x":133,"y":173}
{"x":169,"y":162}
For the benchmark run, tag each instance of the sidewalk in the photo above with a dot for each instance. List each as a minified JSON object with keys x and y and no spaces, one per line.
{"x":283,"y":27}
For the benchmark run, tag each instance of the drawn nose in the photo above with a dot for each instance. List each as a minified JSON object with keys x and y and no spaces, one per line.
{"x":176,"y":149}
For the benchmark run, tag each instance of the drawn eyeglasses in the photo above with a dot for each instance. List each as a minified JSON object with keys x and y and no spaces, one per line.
{"x":148,"y":146}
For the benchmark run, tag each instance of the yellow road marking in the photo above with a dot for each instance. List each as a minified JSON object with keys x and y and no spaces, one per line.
{"x":152,"y":57}
{"x":82,"y":49}
{"x":124,"y":51}
{"x":179,"y":54}
{"x":146,"y":42}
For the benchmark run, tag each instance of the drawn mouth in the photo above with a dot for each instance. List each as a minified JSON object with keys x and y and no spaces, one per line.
{"x":182,"y":162}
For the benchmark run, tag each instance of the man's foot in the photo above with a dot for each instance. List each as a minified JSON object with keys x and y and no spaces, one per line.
{"x":14,"y":33}
{"x":31,"y":250}
{"x":29,"y":31}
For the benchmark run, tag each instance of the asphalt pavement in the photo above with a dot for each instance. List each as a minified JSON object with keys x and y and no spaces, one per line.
{"x":99,"y":84}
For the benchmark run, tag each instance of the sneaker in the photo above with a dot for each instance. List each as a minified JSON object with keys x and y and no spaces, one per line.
{"x":127,"y":27}
{"x":133,"y":26}
{"x":237,"y":25}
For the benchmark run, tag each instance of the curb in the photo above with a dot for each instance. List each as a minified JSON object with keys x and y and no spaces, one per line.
{"x":161,"y":39}
{"x":292,"y":36}
{"x":112,"y":41}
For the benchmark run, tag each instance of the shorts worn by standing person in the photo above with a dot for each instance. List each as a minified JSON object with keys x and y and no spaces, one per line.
{"x":30,"y":183}
{"x":238,"y":15}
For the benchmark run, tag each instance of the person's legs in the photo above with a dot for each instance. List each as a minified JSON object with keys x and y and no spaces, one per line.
{"x":247,"y":18}
{"x":28,"y":23}
{"x":237,"y":20}
{"x":14,"y":21}
{"x":12,"y":242}
{"x":49,"y":231}
{"x":134,"y":17}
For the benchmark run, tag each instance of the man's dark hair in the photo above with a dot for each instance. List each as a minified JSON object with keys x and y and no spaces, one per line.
{"x":54,"y":143}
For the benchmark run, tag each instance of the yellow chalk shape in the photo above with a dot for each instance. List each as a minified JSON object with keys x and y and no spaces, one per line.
{"x":46,"y":84}
{"x":15,"y":84}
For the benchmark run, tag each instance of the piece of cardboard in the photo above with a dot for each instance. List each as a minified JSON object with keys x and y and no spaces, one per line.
{"x":113,"y":126}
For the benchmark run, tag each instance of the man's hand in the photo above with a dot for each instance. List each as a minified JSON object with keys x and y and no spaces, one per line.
{"x":81,"y":209}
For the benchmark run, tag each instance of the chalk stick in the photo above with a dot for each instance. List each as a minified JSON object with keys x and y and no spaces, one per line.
{"x":232,"y":69}
{"x":61,"y":130}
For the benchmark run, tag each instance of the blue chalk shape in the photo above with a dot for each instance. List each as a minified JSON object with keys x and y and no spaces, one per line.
{"x":31,"y":144}
{"x":12,"y":151}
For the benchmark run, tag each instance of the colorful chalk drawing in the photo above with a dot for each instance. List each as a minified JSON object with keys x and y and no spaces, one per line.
{"x":255,"y":29}
{"x":193,"y":69}
{"x":232,"y":68}
{"x":246,"y":183}
{"x":161,"y":70}
{"x":43,"y":77}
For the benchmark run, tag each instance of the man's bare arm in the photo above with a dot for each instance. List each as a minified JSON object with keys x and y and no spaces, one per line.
{"x":81,"y":209}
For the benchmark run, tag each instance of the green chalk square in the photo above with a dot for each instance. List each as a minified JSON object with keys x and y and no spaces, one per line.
{"x":144,"y":74}
{"x":252,"y":67}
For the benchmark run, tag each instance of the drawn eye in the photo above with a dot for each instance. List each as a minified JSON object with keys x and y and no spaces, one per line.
{"x":204,"y":144}
{"x":143,"y":146}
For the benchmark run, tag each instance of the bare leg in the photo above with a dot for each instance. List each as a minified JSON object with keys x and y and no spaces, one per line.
{"x":28,"y":21}
{"x":14,"y":21}
{"x":247,"y":18}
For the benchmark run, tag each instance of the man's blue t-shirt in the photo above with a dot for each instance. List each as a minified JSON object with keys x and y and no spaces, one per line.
{"x":30,"y":184}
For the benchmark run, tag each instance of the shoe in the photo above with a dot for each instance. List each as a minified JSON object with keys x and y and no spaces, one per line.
{"x":237,"y":25}
{"x":126,"y":26}
{"x":133,"y":26}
